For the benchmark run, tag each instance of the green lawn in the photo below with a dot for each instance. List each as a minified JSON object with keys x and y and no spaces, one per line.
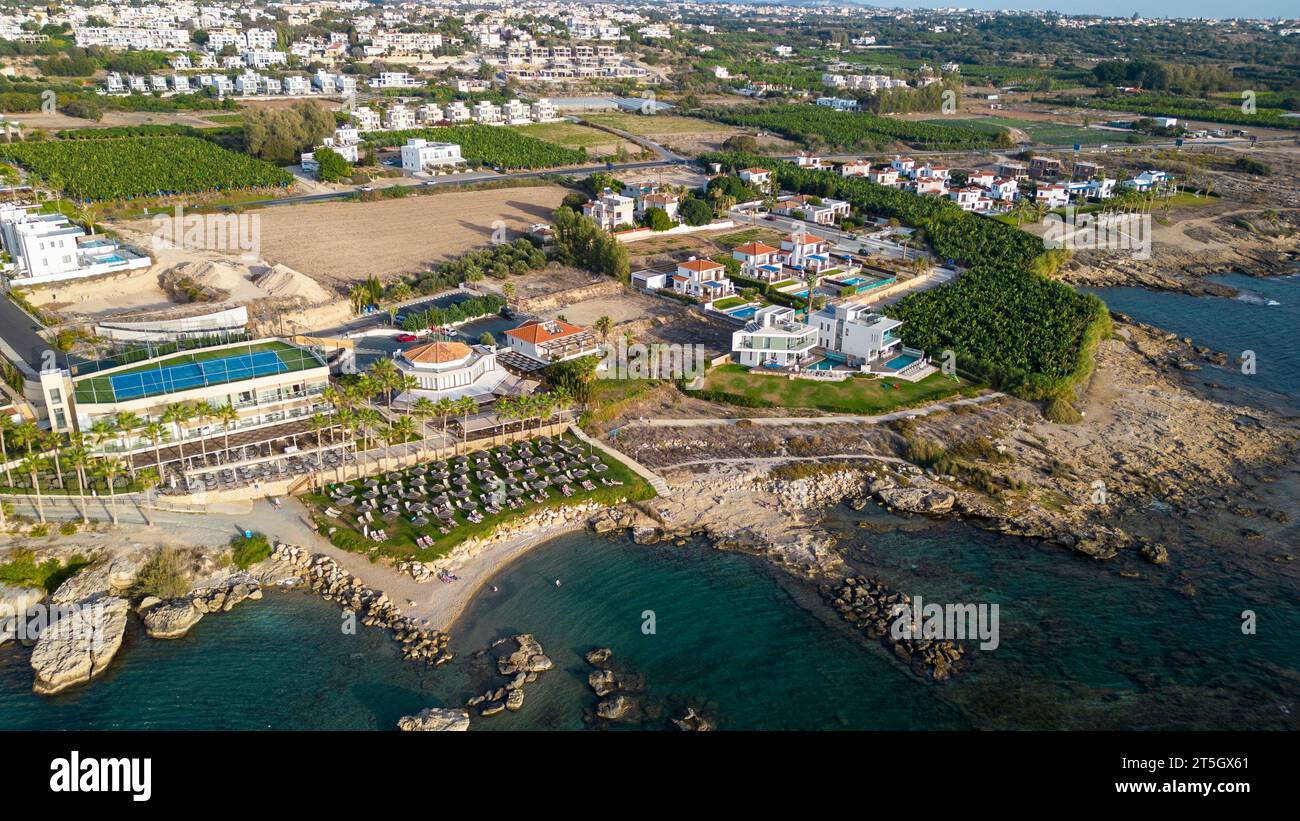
{"x":402,"y":533}
{"x":857,"y":394}
{"x":748,"y":235}
{"x":89,"y":389}
{"x":729,"y":302}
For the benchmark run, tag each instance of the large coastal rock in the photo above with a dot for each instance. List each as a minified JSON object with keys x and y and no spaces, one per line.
{"x":110,"y":578}
{"x":79,"y":646}
{"x":435,"y":719}
{"x":529,"y":658}
{"x":14,"y":603}
{"x":222,"y":599}
{"x":614,"y":708}
{"x":171,"y":619}
{"x":918,"y":500}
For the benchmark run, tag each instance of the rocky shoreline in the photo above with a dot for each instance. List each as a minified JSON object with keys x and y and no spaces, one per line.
{"x":324,"y":576}
{"x":76,"y":631}
{"x":872,"y":607}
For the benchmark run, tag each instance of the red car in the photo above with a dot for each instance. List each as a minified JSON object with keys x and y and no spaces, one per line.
{"x":406,"y":337}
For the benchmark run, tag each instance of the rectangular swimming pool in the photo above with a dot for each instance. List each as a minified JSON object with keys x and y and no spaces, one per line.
{"x":901,"y":361}
{"x":743,"y":313}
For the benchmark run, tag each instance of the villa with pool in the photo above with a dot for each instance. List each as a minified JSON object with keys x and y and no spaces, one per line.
{"x":840,"y":341}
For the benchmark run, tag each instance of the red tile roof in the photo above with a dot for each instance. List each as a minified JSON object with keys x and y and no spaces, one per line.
{"x":537,"y":331}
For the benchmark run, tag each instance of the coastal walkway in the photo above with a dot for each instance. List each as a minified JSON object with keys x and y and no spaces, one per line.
{"x":656,"y":481}
{"x":837,"y":419}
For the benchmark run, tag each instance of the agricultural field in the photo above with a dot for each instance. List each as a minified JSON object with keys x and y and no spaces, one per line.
{"x":646,"y":126}
{"x":495,"y":146}
{"x":595,"y":142}
{"x":341,"y":243}
{"x":130,"y":167}
{"x":840,"y":129}
{"x":1040,"y":132}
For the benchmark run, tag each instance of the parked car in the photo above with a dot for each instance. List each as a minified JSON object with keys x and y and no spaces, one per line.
{"x":508,"y":313}
{"x":406,"y":337}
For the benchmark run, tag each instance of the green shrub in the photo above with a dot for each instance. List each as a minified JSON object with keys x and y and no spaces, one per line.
{"x":163,"y":575}
{"x":1061,"y":412}
{"x":249,"y":551}
{"x":68,"y":528}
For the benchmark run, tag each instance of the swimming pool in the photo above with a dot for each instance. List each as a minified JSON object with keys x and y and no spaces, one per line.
{"x":743,"y":313}
{"x":901,"y":361}
{"x":852,"y":281}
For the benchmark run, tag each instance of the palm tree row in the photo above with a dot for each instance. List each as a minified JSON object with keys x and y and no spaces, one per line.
{"x":46,"y":451}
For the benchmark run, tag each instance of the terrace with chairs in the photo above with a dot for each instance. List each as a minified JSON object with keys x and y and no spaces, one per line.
{"x":428,"y":507}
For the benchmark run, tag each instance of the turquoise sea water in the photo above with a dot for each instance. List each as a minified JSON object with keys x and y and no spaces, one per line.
{"x":1081,"y":645}
{"x":1263,"y":318}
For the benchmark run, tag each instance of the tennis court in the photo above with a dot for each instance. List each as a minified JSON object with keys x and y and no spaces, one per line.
{"x":174,"y":378}
{"x":195,"y":370}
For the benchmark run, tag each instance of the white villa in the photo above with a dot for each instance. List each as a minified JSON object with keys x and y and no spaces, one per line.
{"x":611,"y":210}
{"x":51,"y":248}
{"x":758,"y":260}
{"x":806,"y":252}
{"x":755,"y":176}
{"x":450,"y":369}
{"x":856,"y":333}
{"x":822,"y":211}
{"x":346,"y":142}
{"x":773,"y":337}
{"x":420,"y":154}
{"x":703,"y":279}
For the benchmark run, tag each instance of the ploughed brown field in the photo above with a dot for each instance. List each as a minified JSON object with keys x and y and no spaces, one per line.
{"x":343,"y":242}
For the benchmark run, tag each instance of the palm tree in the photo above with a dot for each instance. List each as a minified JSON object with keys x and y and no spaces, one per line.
{"x":385,"y":374}
{"x":78,"y":457}
{"x":156,"y":432}
{"x":317,"y":423}
{"x":149,"y":479}
{"x":126,"y":422}
{"x":227,"y":416}
{"x":347,"y":419}
{"x":504,"y":409}
{"x":508,"y":290}
{"x":177,"y":414}
{"x":424,"y":409}
{"x":6,"y":428}
{"x":33,"y":465}
{"x":204,"y":412}
{"x":370,"y":422}
{"x":102,"y":430}
{"x":444,"y":408}
{"x":465,"y":406}
{"x":400,"y":431}
{"x":52,"y":443}
{"x":110,"y":468}
{"x":603,"y":326}
{"x":405,"y":383}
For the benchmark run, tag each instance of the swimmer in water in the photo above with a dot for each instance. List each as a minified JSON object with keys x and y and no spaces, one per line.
{"x":557,"y":582}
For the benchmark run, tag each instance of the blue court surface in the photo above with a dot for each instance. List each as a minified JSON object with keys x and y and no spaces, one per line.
{"x":189,"y":375}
